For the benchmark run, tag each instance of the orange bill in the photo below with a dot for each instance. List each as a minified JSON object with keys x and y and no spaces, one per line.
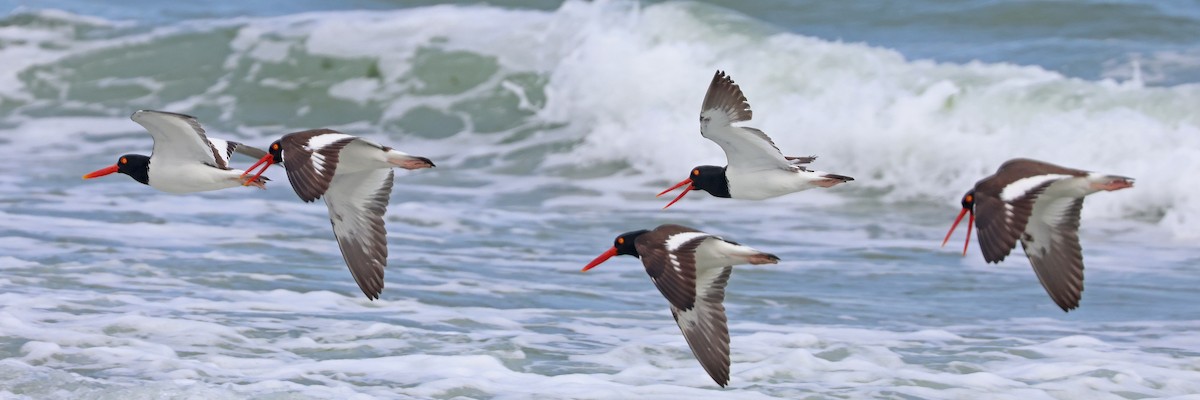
{"x":970,"y":224}
{"x":266,"y":162}
{"x":689,"y":187}
{"x":601,"y":259}
{"x":101,"y":172}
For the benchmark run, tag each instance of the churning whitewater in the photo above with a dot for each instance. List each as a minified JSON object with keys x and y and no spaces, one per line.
{"x":553,"y":129}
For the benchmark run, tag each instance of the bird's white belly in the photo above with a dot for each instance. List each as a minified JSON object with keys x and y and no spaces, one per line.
{"x":766,"y":184}
{"x":358,"y":157}
{"x":191,"y":177}
{"x":715,"y":254}
{"x":1070,"y":187}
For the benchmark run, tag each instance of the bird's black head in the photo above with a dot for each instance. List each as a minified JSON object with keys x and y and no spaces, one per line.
{"x":624,"y":243}
{"x":276,"y":151}
{"x":274,"y":156}
{"x":968,"y":200}
{"x":136,"y":166}
{"x":622,"y":246}
{"x":709,"y":178}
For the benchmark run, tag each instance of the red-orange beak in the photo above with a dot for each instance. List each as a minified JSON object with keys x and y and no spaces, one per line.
{"x":689,"y":187}
{"x":101,"y":172}
{"x":601,"y":259}
{"x":266,"y":162}
{"x":970,"y":223}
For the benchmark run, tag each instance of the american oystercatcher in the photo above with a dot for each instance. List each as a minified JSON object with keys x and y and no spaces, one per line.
{"x":691,"y":269}
{"x":354,"y":176}
{"x":184,"y":159}
{"x":1037,"y":203}
{"x":756,"y":168}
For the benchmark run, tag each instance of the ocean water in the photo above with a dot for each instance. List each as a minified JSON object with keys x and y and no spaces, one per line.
{"x":553,"y":126}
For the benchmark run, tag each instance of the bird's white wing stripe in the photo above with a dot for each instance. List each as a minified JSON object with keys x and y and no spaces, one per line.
{"x":320,"y":141}
{"x":318,"y":162}
{"x":222,"y":146}
{"x":675,"y":262}
{"x":677,"y":240}
{"x":1022,"y":186}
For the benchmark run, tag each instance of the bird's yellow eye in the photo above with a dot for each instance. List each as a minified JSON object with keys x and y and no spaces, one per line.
{"x":696,"y":172}
{"x":124,"y":160}
{"x":969,"y":198}
{"x":275,"y":146}
{"x":620,"y":240}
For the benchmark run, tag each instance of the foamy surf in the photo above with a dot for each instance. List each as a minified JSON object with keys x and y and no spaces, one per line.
{"x":552,"y":130}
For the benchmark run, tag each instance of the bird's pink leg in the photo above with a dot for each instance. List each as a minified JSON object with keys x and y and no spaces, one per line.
{"x":256,"y":182}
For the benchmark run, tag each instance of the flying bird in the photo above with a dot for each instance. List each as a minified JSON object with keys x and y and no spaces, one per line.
{"x":691,"y":268}
{"x":756,"y":168}
{"x":354,"y":176}
{"x":1038,"y":204}
{"x":184,"y":159}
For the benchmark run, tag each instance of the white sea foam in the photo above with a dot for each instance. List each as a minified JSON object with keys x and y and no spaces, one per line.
{"x":112,"y":290}
{"x":629,"y":355}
